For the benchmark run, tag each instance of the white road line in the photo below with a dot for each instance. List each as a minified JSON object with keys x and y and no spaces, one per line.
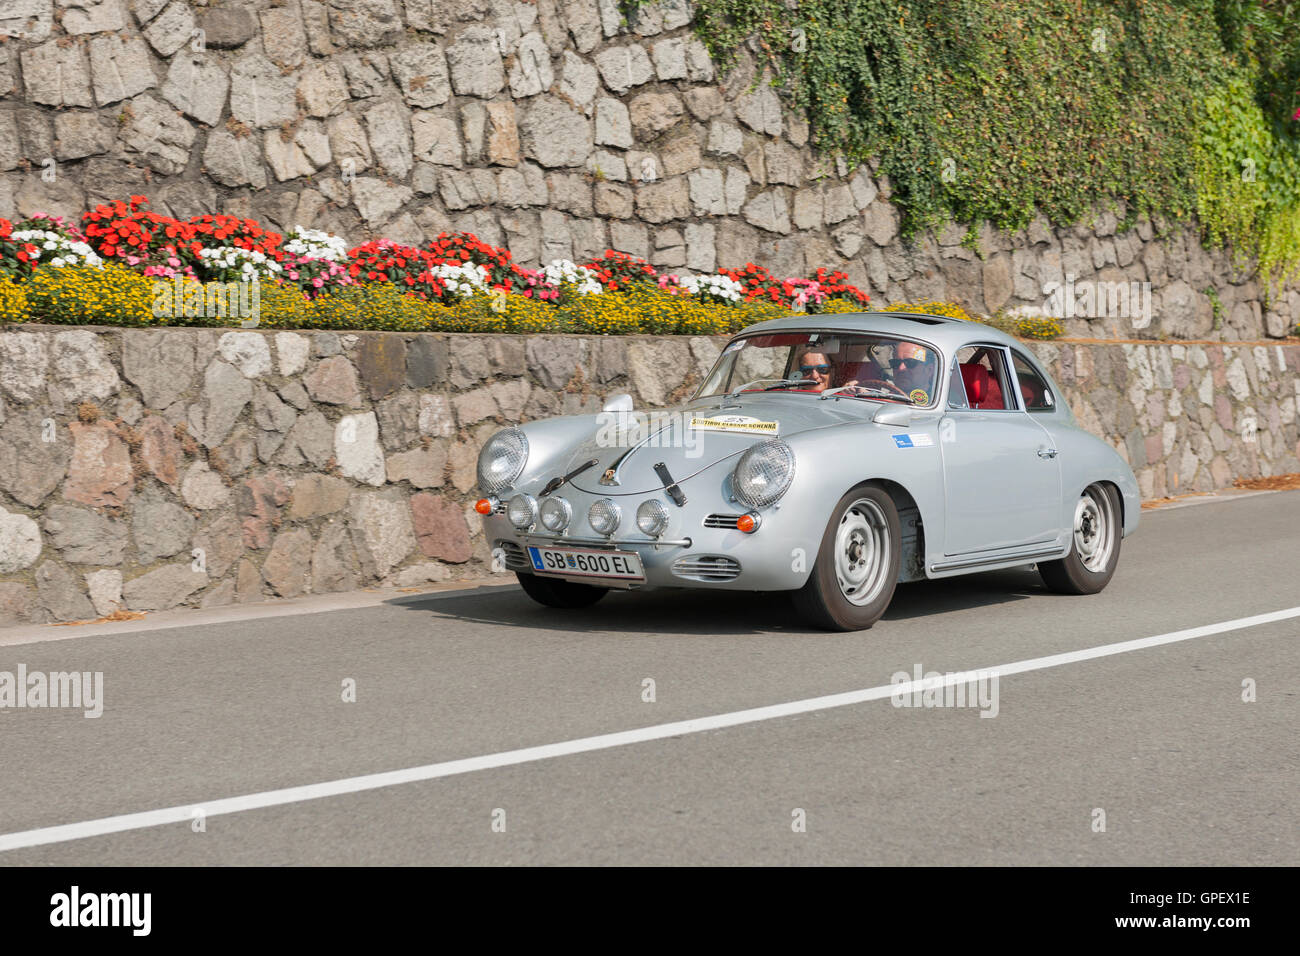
{"x":451,"y":768}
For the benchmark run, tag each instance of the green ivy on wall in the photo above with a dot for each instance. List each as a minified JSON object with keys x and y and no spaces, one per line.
{"x":991,"y":110}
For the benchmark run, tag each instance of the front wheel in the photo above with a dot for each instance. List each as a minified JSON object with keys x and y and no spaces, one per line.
{"x":1094,"y":546}
{"x":853,"y":579}
{"x":556,"y":593}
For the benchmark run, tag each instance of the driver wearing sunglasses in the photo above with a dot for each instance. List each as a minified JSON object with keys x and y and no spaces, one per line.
{"x":913,"y":371}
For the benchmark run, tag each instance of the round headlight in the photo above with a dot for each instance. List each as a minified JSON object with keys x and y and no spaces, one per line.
{"x":521,"y":510}
{"x":763,"y":473}
{"x":502,"y":460}
{"x":652,"y":517}
{"x":556,"y":514}
{"x":604,"y":516}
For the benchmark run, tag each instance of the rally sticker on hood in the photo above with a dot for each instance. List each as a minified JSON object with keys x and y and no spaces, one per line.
{"x":735,"y":423}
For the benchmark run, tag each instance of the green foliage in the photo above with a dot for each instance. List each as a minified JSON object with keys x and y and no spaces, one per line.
{"x":1248,"y":180}
{"x":1216,"y":305}
{"x":991,"y":110}
{"x":1266,"y":35}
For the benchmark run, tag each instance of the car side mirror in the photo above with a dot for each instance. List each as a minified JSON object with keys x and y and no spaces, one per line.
{"x":899,"y":415}
{"x":621,"y":402}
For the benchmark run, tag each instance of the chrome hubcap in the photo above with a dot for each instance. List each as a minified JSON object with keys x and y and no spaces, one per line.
{"x":1094,"y":529}
{"x":862,"y":551}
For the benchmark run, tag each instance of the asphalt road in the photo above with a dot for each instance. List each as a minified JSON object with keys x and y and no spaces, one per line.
{"x":1158,"y":738}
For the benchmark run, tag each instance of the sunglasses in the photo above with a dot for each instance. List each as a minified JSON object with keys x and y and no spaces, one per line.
{"x":821,"y":369}
{"x":905,"y":363}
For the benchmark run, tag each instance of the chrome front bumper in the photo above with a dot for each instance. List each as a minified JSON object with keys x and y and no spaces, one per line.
{"x":708,"y":557}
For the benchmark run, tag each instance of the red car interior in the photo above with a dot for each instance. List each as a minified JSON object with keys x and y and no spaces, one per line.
{"x":856,"y":372}
{"x":1032,"y":393}
{"x":982,"y":389}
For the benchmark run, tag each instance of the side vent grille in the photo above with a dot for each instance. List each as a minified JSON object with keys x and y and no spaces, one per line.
{"x":721,"y":521}
{"x":707,"y":567}
{"x":515,"y":558}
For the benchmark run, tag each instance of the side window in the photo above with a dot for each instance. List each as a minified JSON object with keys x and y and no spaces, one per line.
{"x":983,"y":372}
{"x":956,"y":387}
{"x":1033,"y":387}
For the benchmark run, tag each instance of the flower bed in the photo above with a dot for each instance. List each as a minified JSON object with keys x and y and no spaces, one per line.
{"x":126,"y":265}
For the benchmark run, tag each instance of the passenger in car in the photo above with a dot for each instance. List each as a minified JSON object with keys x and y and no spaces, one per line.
{"x":816,"y":367}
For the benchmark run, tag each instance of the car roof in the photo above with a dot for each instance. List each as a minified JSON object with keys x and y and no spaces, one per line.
{"x":947,"y":333}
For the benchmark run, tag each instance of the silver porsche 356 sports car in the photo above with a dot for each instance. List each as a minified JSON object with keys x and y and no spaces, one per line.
{"x":831,"y":456}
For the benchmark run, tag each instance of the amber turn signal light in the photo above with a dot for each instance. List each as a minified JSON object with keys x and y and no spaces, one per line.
{"x":747,"y":523}
{"x":484,"y":506}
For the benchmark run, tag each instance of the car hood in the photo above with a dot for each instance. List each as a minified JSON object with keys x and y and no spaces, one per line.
{"x":635,"y":442}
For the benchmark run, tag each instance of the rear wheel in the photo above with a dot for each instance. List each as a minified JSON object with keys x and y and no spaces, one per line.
{"x":556,"y":593}
{"x":853,"y":579}
{"x":1094,"y":546}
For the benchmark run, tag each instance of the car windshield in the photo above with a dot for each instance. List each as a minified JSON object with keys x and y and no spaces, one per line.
{"x":875,"y":367}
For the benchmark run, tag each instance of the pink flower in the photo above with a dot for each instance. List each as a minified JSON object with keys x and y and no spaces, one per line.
{"x":1296,"y":115}
{"x":293,"y":274}
{"x":133,"y":260}
{"x":317,"y":282}
{"x":174,"y":262}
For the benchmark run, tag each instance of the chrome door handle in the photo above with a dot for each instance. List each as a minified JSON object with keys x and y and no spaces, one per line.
{"x":1047,"y":453}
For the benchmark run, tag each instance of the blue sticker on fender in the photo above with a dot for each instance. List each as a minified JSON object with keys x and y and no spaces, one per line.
{"x":903,"y":441}
{"x":921,"y":440}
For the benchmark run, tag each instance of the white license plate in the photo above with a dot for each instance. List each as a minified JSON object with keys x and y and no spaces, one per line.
{"x":582,"y":563}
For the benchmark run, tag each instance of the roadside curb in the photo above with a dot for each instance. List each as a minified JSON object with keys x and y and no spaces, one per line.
{"x":233,"y":613}
{"x":1201,"y":498}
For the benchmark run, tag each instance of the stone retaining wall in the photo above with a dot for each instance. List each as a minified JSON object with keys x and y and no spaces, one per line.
{"x":549,"y":126}
{"x":156,"y":468}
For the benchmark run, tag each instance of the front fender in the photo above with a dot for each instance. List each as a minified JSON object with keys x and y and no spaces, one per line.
{"x":831,"y":461}
{"x":550,"y":447}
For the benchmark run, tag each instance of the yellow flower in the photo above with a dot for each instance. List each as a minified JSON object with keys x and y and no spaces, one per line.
{"x":13,"y":301}
{"x":84,"y":295}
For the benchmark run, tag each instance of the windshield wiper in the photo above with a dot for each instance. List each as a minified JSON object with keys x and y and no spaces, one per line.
{"x":873,"y":392}
{"x":781,"y":383}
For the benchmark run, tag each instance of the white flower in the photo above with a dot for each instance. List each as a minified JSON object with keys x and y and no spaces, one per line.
{"x":248,"y":263}
{"x":713,"y":286}
{"x":462,"y":280}
{"x":67,"y":252}
{"x":560,"y":272}
{"x":315,"y":244}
